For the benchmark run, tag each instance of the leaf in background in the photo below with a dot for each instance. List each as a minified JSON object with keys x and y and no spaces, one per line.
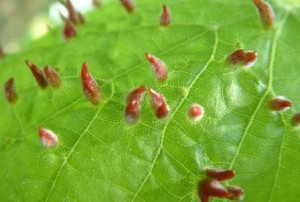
{"x":100,"y":157}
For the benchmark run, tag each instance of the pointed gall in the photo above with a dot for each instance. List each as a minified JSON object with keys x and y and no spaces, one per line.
{"x":158,"y":67}
{"x":52,"y":76}
{"x":219,"y":174}
{"x":296,"y":120}
{"x":266,"y":12}
{"x":69,"y":30}
{"x":38,"y":74}
{"x":128,"y":5}
{"x":196,"y":112}
{"x":280,"y":103}
{"x":9,"y":91}
{"x":165,"y":18}
{"x":235,"y":193}
{"x":133,"y":108}
{"x":159,"y":104}
{"x":47,"y":137}
{"x":97,"y":3}
{"x":211,"y":188}
{"x":90,"y":86}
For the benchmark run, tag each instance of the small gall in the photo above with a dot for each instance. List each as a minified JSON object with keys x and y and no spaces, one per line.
{"x":280,"y":103}
{"x":196,"y":112}
{"x":128,"y":5}
{"x":52,"y":76}
{"x":133,"y":108}
{"x":296,"y":120}
{"x":211,"y":188}
{"x":219,"y":174}
{"x":90,"y":86}
{"x":9,"y":91}
{"x":47,"y":137}
{"x":266,"y":12}
{"x":38,"y":74}
{"x":235,"y":193}
{"x":159,"y":67}
{"x":165,"y":18}
{"x":69,"y":30}
{"x":159,"y":104}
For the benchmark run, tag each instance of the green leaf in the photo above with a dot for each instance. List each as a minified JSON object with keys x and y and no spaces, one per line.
{"x":101,"y":158}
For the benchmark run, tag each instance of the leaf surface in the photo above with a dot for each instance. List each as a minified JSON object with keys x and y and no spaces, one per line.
{"x":100,"y":157}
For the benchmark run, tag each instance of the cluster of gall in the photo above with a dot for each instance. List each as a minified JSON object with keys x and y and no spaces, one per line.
{"x":212,"y":186}
{"x":133,"y":104}
{"x":43,"y":78}
{"x":242,"y":57}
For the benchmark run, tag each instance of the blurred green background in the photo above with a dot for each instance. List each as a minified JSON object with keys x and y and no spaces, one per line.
{"x":24,"y":20}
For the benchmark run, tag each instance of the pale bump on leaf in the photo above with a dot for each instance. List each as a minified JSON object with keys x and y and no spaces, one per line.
{"x":196,"y":112}
{"x":47,"y":137}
